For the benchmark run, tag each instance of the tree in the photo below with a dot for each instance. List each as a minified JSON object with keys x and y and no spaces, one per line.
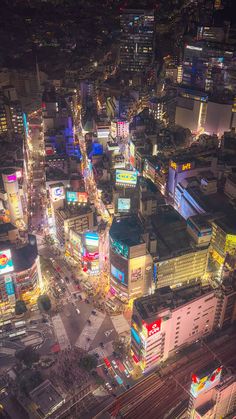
{"x":44,"y":302}
{"x":27,"y":356}
{"x":120,"y":347}
{"x":20,"y":307}
{"x":88,"y":362}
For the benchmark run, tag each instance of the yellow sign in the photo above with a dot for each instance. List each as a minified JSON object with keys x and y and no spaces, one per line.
{"x":230,"y":244}
{"x":186,"y":166}
{"x":173,"y":165}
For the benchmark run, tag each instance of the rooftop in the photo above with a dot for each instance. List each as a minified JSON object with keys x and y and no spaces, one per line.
{"x":166,"y":298}
{"x":22,"y":257}
{"x":46,"y":397}
{"x":72,"y":211}
{"x":4,"y":228}
{"x":127,"y":229}
{"x":171,"y":231}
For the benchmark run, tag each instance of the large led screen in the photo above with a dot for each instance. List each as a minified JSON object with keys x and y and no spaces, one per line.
{"x":6,"y":263}
{"x":123,"y":204}
{"x":126,"y":177}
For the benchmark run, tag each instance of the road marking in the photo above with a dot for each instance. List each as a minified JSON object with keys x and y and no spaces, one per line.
{"x":89,"y":332}
{"x":60,"y":331}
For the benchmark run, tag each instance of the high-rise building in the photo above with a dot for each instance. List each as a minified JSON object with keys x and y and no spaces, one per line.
{"x":130,"y":262}
{"x":136,"y":43}
{"x":209,"y":66}
{"x":169,"y":319}
{"x":13,"y":195}
{"x":11,"y":117}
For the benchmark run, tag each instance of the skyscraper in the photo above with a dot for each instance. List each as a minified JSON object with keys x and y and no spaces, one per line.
{"x":136,"y":44}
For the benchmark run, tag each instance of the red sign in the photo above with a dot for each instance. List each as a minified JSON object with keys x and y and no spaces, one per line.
{"x":153,"y":328}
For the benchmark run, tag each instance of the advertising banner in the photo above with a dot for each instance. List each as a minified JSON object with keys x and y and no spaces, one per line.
{"x":126,"y":177}
{"x":6,"y":263}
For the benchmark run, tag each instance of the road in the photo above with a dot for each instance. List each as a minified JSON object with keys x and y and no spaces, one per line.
{"x":157,"y":395}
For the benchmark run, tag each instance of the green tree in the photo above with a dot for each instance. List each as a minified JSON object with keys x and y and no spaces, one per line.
{"x":27,"y":356}
{"x":88,"y":362}
{"x":44,"y":302}
{"x":20,"y":307}
{"x":120,"y":347}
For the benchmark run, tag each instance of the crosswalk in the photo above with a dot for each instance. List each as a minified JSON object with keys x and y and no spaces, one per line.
{"x":60,"y":331}
{"x":89,"y":332}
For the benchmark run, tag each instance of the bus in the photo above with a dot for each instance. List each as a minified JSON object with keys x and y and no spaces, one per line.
{"x":107,"y":362}
{"x":17,"y":335}
{"x":19,"y":324}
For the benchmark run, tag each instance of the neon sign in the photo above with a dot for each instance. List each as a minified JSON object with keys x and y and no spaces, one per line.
{"x":186,"y":166}
{"x":153,"y":328}
{"x":126,"y":177}
{"x":173,"y":165}
{"x":6,"y":263}
{"x":199,"y":385}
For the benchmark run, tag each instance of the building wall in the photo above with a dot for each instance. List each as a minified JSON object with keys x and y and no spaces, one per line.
{"x":178,"y":327}
{"x":182,"y":269}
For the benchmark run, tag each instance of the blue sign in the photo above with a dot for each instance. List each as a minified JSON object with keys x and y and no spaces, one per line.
{"x":9,"y":286}
{"x":118,"y":274}
{"x":135,"y":335}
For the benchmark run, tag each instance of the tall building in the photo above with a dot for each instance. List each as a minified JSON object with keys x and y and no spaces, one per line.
{"x":130,"y":262}
{"x":212,"y":396}
{"x":11,"y":117}
{"x":178,"y":257}
{"x":136,"y":43}
{"x":169,"y":319}
{"x":20,"y":273}
{"x":13,"y":195}
{"x":209,"y":66}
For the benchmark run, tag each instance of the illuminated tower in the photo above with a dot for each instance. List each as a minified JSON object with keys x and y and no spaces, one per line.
{"x":11,"y":188}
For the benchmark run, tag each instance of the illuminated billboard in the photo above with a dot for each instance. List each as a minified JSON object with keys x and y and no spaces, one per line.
{"x":199,"y":385}
{"x":81,"y":197}
{"x":119,"y":275}
{"x":6,"y":264}
{"x":91,"y":239}
{"x":126,"y":177}
{"x":152,"y":328}
{"x":57,"y":192}
{"x":123,"y":204}
{"x":11,"y":178}
{"x":9,"y":286}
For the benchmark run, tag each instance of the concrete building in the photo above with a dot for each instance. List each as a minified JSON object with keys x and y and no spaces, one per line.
{"x":136,"y":40}
{"x":130,"y":261}
{"x":170,"y":319}
{"x":218,"y":400}
{"x":20,"y":273}
{"x":78,"y":218}
{"x":230,"y":186}
{"x":45,"y":400}
{"x":13,"y":202}
{"x":119,"y":128}
{"x":178,"y":259}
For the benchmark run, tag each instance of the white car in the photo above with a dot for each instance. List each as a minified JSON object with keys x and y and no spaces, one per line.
{"x":78,"y":311}
{"x":108,"y":386}
{"x":114,"y":364}
{"x":127,"y":373}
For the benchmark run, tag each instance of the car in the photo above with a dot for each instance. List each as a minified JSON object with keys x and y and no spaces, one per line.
{"x":127,"y":373}
{"x":108,"y":386}
{"x":78,"y":311}
{"x":101,"y":344}
{"x":118,"y":379}
{"x":114,"y":364}
{"x":94,"y":312}
{"x":97,"y":355}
